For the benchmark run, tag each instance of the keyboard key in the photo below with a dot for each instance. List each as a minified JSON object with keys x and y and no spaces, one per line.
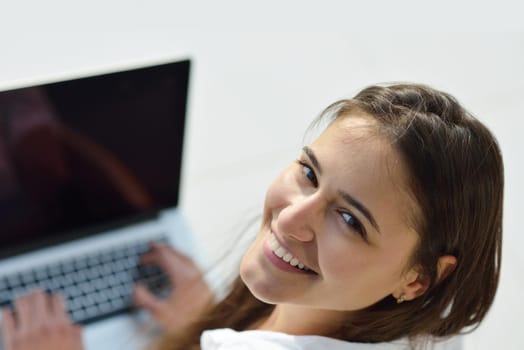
{"x":93,"y":261}
{"x":67,"y":281}
{"x":106,"y":307}
{"x":78,"y":315}
{"x":73,"y":305}
{"x":3,"y":284}
{"x":88,"y":300}
{"x":92,"y":311}
{"x":80,"y":264}
{"x":67,"y":266}
{"x":72,"y":292}
{"x":118,"y":266}
{"x":41,"y":274}
{"x":6,"y":296}
{"x":105,"y":257}
{"x":123,"y":277}
{"x":117,"y":291}
{"x":103,"y":296}
{"x":86,"y":287}
{"x":54,"y":270}
{"x":118,"y":254}
{"x":13,"y":281}
{"x":54,"y":283}
{"x":118,"y":303}
{"x":94,"y":272}
{"x":18,"y":291}
{"x":28,"y":278}
{"x":79,"y":276}
{"x":130,"y":262}
{"x":99,"y":283}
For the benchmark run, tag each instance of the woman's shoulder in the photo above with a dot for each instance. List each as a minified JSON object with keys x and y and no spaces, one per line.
{"x":228,"y":339}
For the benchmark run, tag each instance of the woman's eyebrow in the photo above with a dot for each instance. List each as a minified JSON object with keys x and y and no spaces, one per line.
{"x":352,"y":201}
{"x":309,"y":152}
{"x":360,"y":207}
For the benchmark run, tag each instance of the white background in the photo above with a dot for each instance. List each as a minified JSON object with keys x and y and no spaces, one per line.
{"x":261,"y":73}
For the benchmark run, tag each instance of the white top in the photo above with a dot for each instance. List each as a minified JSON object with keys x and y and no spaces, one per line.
{"x":228,"y":339}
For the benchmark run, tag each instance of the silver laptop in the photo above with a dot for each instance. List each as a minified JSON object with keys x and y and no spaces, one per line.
{"x":89,"y":175}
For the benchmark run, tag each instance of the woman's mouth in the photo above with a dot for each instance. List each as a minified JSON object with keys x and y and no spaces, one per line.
{"x":285,"y":256}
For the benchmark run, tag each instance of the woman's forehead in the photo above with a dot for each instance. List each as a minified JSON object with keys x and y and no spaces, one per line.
{"x":355,"y":134}
{"x":363,"y":161}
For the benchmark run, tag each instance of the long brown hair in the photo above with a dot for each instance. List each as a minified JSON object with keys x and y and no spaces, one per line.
{"x":456,"y":179}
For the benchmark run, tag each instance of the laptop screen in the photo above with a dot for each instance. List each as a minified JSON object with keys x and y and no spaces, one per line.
{"x":88,"y":154}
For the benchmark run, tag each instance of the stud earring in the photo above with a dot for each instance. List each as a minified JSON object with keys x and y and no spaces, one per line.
{"x":401,"y":299}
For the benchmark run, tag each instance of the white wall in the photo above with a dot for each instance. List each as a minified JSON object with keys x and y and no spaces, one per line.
{"x":261,"y":73}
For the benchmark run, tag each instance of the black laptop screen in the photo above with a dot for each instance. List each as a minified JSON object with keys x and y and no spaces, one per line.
{"x":86,"y":154}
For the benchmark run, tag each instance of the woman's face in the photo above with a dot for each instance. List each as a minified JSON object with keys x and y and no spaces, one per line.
{"x":334,"y":233}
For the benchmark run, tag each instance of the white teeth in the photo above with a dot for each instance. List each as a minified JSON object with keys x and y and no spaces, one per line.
{"x":273,"y":243}
{"x":282,"y":253}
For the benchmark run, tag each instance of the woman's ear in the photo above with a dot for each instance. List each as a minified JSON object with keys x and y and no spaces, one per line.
{"x":445,"y":266}
{"x":413,"y":286}
{"x":415,"y":283}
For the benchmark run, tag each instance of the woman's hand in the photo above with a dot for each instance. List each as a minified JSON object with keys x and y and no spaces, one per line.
{"x":190,"y":295}
{"x":41,"y":323}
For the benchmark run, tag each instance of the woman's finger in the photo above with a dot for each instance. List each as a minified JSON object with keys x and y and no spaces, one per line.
{"x":167,"y":251}
{"x":143,"y":298}
{"x":39,"y":305}
{"x":58,"y":309}
{"x":23,"y":311}
{"x":161,"y":256}
{"x":8,"y":329}
{"x":175,"y":264}
{"x":77,"y":337}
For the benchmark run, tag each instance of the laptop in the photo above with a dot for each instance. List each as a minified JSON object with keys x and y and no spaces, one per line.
{"x":90,"y":174}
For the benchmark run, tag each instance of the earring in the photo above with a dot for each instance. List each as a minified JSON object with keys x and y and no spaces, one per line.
{"x":401,"y":299}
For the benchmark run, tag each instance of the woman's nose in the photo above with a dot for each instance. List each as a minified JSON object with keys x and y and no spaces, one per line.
{"x":300,"y":218}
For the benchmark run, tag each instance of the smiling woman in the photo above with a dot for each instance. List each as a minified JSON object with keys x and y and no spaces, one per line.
{"x":385,"y":233}
{"x":387,"y":227}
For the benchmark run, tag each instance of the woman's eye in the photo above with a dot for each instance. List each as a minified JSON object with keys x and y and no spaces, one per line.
{"x":353,"y":223}
{"x":310,"y":174}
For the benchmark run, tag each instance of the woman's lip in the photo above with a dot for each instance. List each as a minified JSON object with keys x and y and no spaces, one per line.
{"x":272,"y":232}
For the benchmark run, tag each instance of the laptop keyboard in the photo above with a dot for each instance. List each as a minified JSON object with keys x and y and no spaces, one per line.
{"x":95,"y":286}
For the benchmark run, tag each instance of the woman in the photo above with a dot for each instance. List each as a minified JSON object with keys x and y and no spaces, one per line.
{"x":384,"y":234}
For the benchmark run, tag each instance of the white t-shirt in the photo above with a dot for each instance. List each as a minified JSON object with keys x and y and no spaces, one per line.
{"x":228,"y":339}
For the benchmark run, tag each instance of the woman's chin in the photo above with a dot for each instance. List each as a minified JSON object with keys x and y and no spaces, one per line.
{"x":262,"y":292}
{"x":259,"y":285}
